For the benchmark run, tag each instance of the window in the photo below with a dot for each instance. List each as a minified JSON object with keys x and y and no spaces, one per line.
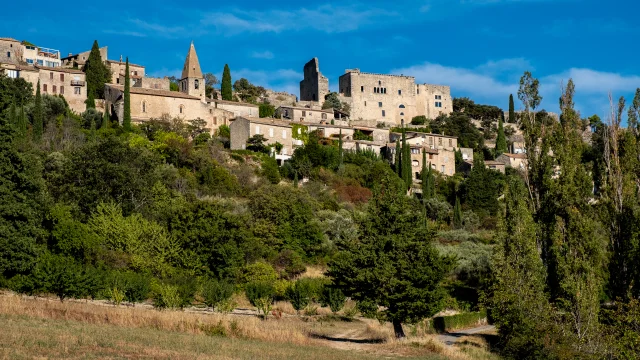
{"x":361,"y":88}
{"x":438,"y":104}
{"x":304,"y":113}
{"x":430,"y":156}
{"x":76,"y":91}
{"x":51,"y":75}
{"x":399,"y":92}
{"x":385,"y":90}
{"x":415,"y":163}
{"x":438,"y":97}
{"x":40,"y":62}
{"x":257,"y":129}
{"x":383,"y":113}
{"x":365,"y":103}
{"x":215,"y":120}
{"x":380,"y":104}
{"x":196,"y":84}
{"x":440,"y":141}
{"x":284,"y":134}
{"x":379,"y":82}
{"x":44,"y":87}
{"x":210,"y":111}
{"x":270,"y":132}
{"x":136,"y":74}
{"x":401,"y":114}
{"x":13,"y":74}
{"x":401,"y":106}
{"x":442,"y":169}
{"x":9,"y":54}
{"x":118,"y":81}
{"x":418,"y":91}
{"x":61,"y":90}
{"x":286,"y":113}
{"x":415,"y":151}
{"x":61,"y":77}
{"x":181,"y":109}
{"x":30,"y":61}
{"x":450,"y":142}
{"x":430,"y":140}
{"x":324,"y":116}
{"x":144,"y":106}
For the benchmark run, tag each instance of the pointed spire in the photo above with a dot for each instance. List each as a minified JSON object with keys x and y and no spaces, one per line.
{"x":191,"y":67}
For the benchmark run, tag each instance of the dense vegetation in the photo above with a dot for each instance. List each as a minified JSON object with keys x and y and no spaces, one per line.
{"x":164,"y":211}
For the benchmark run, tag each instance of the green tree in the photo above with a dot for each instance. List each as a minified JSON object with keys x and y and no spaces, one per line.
{"x":482,"y":188}
{"x":97,"y":74}
{"x":38,"y":115}
{"x":20,"y":210}
{"x":419,"y":120}
{"x":266,"y":110}
{"x":126,"y":121}
{"x":501,"y":140}
{"x":512,"y":113}
{"x":428,"y":180}
{"x":457,"y":214}
{"x":333,"y":298}
{"x":298,"y":295}
{"x":227,"y":93}
{"x":210,"y":81}
{"x":392,"y":264}
{"x":340,"y":150}
{"x":260,"y":295}
{"x":398,"y":159}
{"x":405,"y":163}
{"x":64,"y":277}
{"x":216,"y":293}
{"x":105,"y":120}
{"x":248,"y":92}
{"x":332,"y":101}
{"x":270,"y":169}
{"x":256,"y":143}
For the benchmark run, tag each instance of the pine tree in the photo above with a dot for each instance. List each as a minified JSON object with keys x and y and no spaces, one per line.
{"x":501,"y":140}
{"x":97,"y":74}
{"x":512,"y":113}
{"x":398,"y":159}
{"x":126,"y":121}
{"x":38,"y":115}
{"x":225,"y":87}
{"x":457,"y":214}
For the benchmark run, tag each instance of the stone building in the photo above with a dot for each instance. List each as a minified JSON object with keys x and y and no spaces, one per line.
{"x":273,"y":130}
{"x":466,"y":166}
{"x":314,"y":86}
{"x":432,"y":141}
{"x":516,"y":161}
{"x":69,"y":83}
{"x":117,"y":68}
{"x":303,"y":114}
{"x":78,"y":61}
{"x":237,"y":108}
{"x":391,"y":99}
{"x":443,"y":161}
{"x":14,"y":51}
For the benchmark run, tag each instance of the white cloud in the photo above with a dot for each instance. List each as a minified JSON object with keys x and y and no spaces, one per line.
{"x":125,"y":33}
{"x":268,"y":55}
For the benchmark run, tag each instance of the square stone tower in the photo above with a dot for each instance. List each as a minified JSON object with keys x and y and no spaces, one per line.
{"x":192,"y":82}
{"x":314,"y":86}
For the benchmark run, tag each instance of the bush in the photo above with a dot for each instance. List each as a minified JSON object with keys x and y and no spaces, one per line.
{"x":270,"y":170}
{"x":290,"y":264}
{"x":298,"y":295}
{"x":260,"y":295}
{"x":438,"y":210}
{"x":135,"y":287}
{"x":314,"y":287}
{"x":333,"y":298}
{"x":167,"y":297}
{"x":216,"y":292}
{"x":281,"y":287}
{"x":470,"y":221}
{"x":419,"y":120}
{"x":65,"y":278}
{"x":259,"y":271}
{"x":176,"y":292}
{"x":460,"y":321}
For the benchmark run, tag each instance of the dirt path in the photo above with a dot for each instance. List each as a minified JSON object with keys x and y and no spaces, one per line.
{"x":451,"y":338}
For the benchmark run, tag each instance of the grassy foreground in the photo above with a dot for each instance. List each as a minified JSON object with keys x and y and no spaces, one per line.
{"x":42,"y":328}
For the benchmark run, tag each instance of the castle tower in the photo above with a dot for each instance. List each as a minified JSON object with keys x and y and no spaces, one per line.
{"x":314,"y":86}
{"x":192,"y":82}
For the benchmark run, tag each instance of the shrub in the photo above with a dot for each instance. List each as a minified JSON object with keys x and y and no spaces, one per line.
{"x":289,"y":263}
{"x":281,"y":287}
{"x":260,"y":295}
{"x":65,"y":278}
{"x":314,"y":287}
{"x":298,"y":295}
{"x":214,"y":329}
{"x":116,"y":295}
{"x":216,"y":293}
{"x":459,"y":321}
{"x":167,"y":297}
{"x":134,"y":286}
{"x":419,"y":120}
{"x":333,"y":298}
{"x":438,"y":210}
{"x":470,"y":221}
{"x":259,"y":271}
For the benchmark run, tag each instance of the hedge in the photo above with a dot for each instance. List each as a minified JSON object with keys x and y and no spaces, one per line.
{"x":459,"y":321}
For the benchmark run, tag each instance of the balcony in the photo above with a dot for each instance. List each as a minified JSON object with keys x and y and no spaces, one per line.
{"x":77,"y":83}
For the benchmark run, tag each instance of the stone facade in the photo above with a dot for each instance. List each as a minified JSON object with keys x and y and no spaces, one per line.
{"x":467,"y":166}
{"x":280,"y":98}
{"x":516,"y":161}
{"x":314,"y":86}
{"x":242,"y":128}
{"x":443,"y":161}
{"x":69,"y":83}
{"x":391,"y":99}
{"x":118,"y":68}
{"x":302,"y":114}
{"x":153,"y":83}
{"x":79,"y":60}
{"x":431,"y":141}
{"x":237,"y":108}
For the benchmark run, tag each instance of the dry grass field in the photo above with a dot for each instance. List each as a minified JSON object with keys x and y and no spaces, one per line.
{"x":46,"y":328}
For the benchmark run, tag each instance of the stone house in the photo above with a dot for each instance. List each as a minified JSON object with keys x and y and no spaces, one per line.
{"x":237,"y":108}
{"x":432,"y":141}
{"x":516,"y":161}
{"x":467,"y":166}
{"x":516,"y":144}
{"x":363,"y":145}
{"x":273,"y":130}
{"x":118,"y":68}
{"x":69,"y":83}
{"x":441,"y":160}
{"x":303,"y":114}
{"x":78,"y":61}
{"x":331,"y":131}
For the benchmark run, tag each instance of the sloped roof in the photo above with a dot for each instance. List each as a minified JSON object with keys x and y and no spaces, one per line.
{"x":191,"y":67}
{"x":155,"y":92}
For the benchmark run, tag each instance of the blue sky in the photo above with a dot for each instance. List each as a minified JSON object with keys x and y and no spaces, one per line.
{"x":479,"y":47}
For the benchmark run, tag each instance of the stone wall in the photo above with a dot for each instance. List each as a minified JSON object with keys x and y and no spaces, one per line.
{"x":280,"y":98}
{"x":314,"y":86}
{"x":304,"y":114}
{"x":237,"y":108}
{"x":433,"y":100}
{"x":118,"y":68}
{"x":383,"y":98}
{"x":154,"y":83}
{"x":67,"y":82}
{"x":242,"y":128}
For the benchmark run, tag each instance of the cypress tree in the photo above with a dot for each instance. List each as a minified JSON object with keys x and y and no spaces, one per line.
{"x":22,"y":122}
{"x":126,"y":121}
{"x":13,"y":115}
{"x":512,"y":113}
{"x":398,"y":159}
{"x":423,"y":175}
{"x":105,"y":121}
{"x":225,"y":87}
{"x":97,"y":74}
{"x":405,"y":168}
{"x":92,"y":133}
{"x":38,"y":115}
{"x":501,"y":140}
{"x":457,"y":214}
{"x":340,"y":149}
{"x":295,"y":179}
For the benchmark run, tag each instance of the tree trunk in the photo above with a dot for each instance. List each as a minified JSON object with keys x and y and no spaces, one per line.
{"x":397,"y":328}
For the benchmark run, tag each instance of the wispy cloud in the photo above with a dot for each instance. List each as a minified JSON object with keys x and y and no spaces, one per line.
{"x":268,"y":55}
{"x":125,"y":33}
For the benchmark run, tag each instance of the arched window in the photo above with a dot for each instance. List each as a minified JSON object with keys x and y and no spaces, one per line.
{"x":144,"y":106}
{"x":401,"y":114}
{"x":401,"y":106}
{"x":196,"y":84}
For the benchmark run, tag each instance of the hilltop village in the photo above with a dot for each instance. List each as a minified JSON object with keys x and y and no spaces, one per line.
{"x":366,"y":113}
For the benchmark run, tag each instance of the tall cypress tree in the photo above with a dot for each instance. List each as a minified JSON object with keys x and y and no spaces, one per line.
{"x":405,"y":169}
{"x":501,"y":140}
{"x":105,"y":120}
{"x":126,"y":121}
{"x":340,"y":149}
{"x":512,"y":113}
{"x":97,"y":74}
{"x":13,"y":115}
{"x":457,"y":214}
{"x":38,"y":115}
{"x":398,"y":159}
{"x":225,"y":87}
{"x":423,"y":176}
{"x":22,"y":122}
